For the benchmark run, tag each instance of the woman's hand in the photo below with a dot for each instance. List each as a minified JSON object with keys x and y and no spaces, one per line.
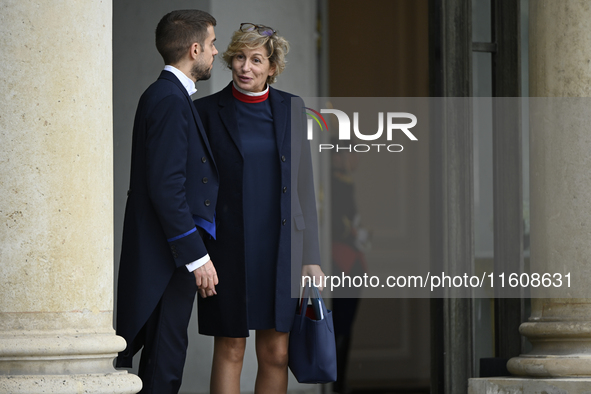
{"x":315,"y":274}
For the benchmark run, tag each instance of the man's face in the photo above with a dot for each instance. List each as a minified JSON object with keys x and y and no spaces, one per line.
{"x":201,"y":70}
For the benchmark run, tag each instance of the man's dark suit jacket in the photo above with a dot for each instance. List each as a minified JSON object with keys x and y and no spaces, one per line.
{"x":173,"y":179}
{"x":226,"y":314}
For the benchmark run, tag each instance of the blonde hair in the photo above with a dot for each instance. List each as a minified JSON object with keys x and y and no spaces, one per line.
{"x":277,"y":47}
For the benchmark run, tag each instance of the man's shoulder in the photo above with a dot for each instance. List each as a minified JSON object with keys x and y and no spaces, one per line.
{"x":163,"y":87}
{"x":160,"y":90}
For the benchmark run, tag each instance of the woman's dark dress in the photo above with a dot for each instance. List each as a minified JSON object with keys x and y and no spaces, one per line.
{"x":261,"y":197}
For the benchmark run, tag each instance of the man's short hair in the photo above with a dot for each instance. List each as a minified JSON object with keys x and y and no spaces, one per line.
{"x":178,"y":30}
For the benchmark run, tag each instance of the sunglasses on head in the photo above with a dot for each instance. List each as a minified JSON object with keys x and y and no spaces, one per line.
{"x":262,"y":30}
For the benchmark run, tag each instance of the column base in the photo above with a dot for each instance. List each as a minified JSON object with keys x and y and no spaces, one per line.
{"x":551,"y":366}
{"x":510,"y":385}
{"x":117,"y":382}
{"x":66,"y":362}
{"x":560,"y":349}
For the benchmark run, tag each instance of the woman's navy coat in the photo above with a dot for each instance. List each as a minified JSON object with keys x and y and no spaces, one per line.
{"x":225,"y":314}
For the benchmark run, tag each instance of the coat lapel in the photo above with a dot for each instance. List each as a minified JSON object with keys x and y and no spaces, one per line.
{"x":201,"y":129}
{"x":171,"y":77}
{"x":280,"y":109}
{"x":228,"y":116}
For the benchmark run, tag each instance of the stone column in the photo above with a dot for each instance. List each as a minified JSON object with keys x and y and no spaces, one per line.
{"x":560,"y":188}
{"x":56,"y":175}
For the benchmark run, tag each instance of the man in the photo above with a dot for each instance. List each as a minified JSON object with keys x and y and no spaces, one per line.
{"x":170,"y":207}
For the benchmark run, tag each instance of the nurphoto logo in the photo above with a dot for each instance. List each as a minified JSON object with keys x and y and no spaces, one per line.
{"x":344,"y":130}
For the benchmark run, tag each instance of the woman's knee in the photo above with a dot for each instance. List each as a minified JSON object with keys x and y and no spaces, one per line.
{"x":230,"y":349}
{"x":273,"y":353}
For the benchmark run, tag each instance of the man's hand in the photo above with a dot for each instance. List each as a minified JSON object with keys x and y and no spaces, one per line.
{"x":315,"y":273}
{"x":206,"y":278}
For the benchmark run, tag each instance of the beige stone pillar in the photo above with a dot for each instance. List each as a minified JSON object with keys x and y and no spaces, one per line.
{"x":560,"y":188}
{"x":56,"y":242}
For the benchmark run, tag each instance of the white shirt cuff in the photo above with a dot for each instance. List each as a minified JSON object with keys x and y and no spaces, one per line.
{"x":197,"y":263}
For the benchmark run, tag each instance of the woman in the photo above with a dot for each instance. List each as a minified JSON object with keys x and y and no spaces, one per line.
{"x":265,"y":216}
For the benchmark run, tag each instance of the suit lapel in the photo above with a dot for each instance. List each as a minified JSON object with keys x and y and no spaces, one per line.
{"x":201,"y":129}
{"x":171,"y":77}
{"x":280,"y":112}
{"x":228,"y":117}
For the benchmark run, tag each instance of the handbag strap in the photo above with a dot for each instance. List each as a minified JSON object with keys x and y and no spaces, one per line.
{"x":304,"y":305}
{"x":321,"y":301}
{"x":306,"y":298}
{"x":306,"y":294}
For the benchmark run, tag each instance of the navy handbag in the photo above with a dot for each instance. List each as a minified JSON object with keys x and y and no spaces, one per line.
{"x":312,"y":349}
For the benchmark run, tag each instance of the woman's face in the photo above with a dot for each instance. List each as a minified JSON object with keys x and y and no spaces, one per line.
{"x":250,"y":69}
